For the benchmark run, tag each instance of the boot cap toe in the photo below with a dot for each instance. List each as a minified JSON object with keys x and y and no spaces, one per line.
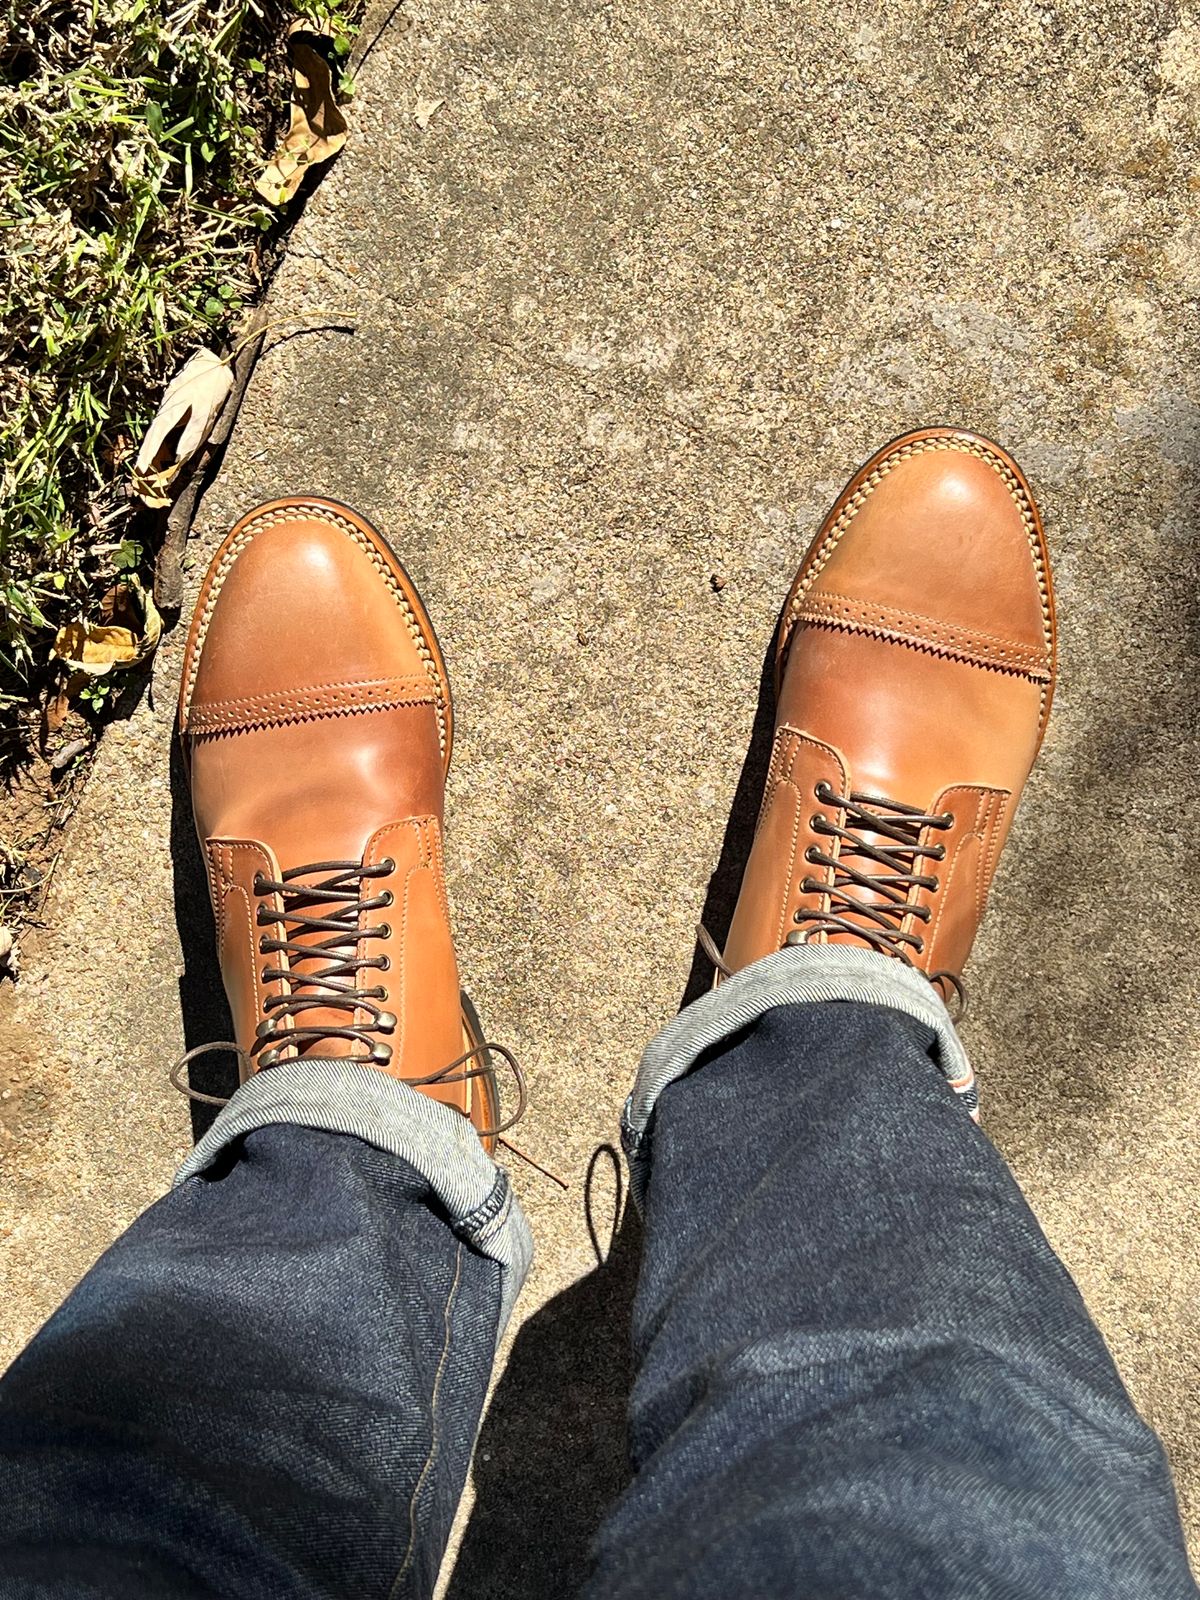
{"x":936,"y":542}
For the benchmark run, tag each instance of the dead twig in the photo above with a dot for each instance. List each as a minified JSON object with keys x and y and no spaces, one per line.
{"x":168,"y":568}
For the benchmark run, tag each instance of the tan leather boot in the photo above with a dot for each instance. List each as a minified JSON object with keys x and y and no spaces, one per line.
{"x":914,"y":675}
{"x":316,"y":718}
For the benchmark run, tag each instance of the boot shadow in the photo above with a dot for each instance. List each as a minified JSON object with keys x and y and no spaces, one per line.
{"x":202,"y":1003}
{"x":726,"y":881}
{"x":551,"y":1456}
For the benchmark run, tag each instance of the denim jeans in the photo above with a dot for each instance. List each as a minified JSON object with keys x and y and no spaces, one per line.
{"x":861,"y":1371}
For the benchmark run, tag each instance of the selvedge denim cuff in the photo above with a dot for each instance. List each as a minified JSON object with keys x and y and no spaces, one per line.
{"x":438,"y":1142}
{"x":798,"y":975}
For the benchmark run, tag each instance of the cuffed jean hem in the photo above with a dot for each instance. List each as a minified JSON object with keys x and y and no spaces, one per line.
{"x":438,"y":1142}
{"x":798,"y":975}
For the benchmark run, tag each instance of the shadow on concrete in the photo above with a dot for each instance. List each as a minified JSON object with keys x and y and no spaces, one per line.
{"x":726,"y":881}
{"x":551,"y":1457}
{"x":202,"y":1003}
{"x":1086,"y":970}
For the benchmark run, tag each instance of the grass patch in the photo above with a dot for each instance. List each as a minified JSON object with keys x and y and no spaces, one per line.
{"x":131,"y":132}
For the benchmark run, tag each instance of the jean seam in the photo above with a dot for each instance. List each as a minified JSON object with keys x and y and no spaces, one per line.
{"x":434,"y":1426}
{"x":479,"y":1223}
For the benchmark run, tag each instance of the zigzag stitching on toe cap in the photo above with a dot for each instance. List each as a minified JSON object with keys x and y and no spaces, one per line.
{"x":304,"y":510}
{"x":896,"y":626}
{"x":309,"y":704}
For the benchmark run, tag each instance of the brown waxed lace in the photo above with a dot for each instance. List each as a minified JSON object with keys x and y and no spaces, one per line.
{"x":897,"y":850}
{"x":335,"y":985}
{"x":712,"y":950}
{"x":891,"y":820}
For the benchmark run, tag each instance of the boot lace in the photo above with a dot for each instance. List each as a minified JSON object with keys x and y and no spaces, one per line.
{"x":335,"y":905}
{"x":892,"y":859}
{"x":886,"y":865}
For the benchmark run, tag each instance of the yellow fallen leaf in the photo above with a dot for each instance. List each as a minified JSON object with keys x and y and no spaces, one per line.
{"x":317,"y":129}
{"x":425,"y":112}
{"x":89,"y":647}
{"x":185,"y":419}
{"x":130,"y":633}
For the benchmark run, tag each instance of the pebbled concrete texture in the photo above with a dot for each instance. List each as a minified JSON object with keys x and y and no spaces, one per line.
{"x":628,"y":311}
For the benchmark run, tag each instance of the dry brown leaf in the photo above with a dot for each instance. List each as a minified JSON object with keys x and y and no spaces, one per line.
{"x":185,"y":419}
{"x":92,"y":648}
{"x":129,"y":634}
{"x":56,"y":708}
{"x":426,"y":111}
{"x":317,"y":129}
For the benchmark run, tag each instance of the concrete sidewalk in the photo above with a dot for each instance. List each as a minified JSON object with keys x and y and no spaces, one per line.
{"x":628,"y":311}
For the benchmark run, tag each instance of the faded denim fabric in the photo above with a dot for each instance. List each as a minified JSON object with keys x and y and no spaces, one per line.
{"x":862,"y":1372}
{"x":341,"y":1096}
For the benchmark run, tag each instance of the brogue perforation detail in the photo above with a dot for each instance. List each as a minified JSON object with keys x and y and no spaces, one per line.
{"x":925,"y":633}
{"x":309,"y":704}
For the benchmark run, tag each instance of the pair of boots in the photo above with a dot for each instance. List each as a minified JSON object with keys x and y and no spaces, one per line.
{"x":914,"y":674}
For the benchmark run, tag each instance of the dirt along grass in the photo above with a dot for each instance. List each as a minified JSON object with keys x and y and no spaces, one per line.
{"x":132,"y":133}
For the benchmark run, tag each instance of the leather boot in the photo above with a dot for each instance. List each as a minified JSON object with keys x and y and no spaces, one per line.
{"x":316,"y":720}
{"x":914,"y":673}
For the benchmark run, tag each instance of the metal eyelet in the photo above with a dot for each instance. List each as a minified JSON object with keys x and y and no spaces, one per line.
{"x":388,"y":898}
{"x":947,"y":819}
{"x":384,"y":930}
{"x":259,"y":883}
{"x":384,"y":963}
{"x":388,"y":864}
{"x":811,"y":853}
{"x":385,"y":1022}
{"x":940,"y":853}
{"x":823,"y":792}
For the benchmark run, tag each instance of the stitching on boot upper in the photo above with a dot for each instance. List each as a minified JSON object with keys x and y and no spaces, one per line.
{"x":867,"y":488}
{"x":317,"y":700}
{"x":831,"y":610}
